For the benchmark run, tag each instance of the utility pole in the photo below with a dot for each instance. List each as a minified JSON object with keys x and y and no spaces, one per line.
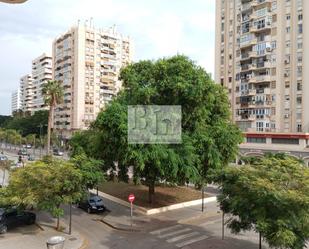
{"x":70,"y":222}
{"x":222,"y":225}
{"x":203,"y":197}
{"x":260,"y":240}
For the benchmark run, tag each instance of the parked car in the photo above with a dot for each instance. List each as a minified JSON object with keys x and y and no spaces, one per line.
{"x":22,"y":153}
{"x":31,"y":158}
{"x":28,"y":146}
{"x":92,"y":204}
{"x":10,"y":218}
{"x":3,"y":158}
{"x":57,"y":152}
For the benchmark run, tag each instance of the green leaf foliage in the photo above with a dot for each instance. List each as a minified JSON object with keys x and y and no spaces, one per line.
{"x":209,"y":139}
{"x":45,"y":185}
{"x":271,"y":196}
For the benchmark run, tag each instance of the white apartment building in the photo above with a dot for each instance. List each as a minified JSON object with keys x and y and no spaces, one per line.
{"x":26,"y":93}
{"x":41,"y":73}
{"x":87,"y":61}
{"x":262,"y":57}
{"x":16,"y":104}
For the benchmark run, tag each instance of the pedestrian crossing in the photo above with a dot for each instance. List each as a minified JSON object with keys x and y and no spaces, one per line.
{"x":179,"y":235}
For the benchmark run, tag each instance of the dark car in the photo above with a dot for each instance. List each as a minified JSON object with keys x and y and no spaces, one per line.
{"x":10,"y":218}
{"x":22,"y":153}
{"x":92,"y":204}
{"x":57,"y":152}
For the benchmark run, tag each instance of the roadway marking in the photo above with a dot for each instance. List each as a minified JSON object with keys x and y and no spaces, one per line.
{"x":174,"y":233}
{"x":188,"y":242}
{"x":159,"y":231}
{"x":184,"y":236}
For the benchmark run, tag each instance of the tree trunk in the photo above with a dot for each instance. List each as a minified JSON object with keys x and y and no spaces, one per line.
{"x":3,"y":177}
{"x":151,"y":191}
{"x":50,"y":120}
{"x":58,"y":223}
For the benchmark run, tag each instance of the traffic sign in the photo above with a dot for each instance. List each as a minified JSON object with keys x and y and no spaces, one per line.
{"x":131,"y":198}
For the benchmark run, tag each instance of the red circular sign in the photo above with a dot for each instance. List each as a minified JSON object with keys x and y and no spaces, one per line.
{"x":131,"y":198}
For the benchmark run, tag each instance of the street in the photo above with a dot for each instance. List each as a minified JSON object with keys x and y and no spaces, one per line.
{"x":172,"y":229}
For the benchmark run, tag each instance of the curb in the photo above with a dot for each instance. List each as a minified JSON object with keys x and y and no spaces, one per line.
{"x":39,"y":226}
{"x":201,"y":216}
{"x":85,"y":243}
{"x":145,"y":211}
{"x":117,"y":228}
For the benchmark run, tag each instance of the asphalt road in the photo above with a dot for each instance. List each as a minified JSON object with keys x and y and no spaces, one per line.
{"x":173,"y":229}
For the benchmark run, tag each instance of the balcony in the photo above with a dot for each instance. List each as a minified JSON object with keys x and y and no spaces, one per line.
{"x":260,"y":28}
{"x":249,"y":43}
{"x":257,"y":3}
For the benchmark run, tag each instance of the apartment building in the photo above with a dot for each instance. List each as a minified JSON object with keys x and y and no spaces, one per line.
{"x":16,"y":104}
{"x":262,"y":50}
{"x":41,"y":73}
{"x":26,"y":93}
{"x":87,"y":61}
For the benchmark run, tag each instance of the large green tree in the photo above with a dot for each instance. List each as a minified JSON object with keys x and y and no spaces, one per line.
{"x":270,"y":196}
{"x":52,"y":92}
{"x":45,"y":185}
{"x":28,"y":124}
{"x":209,"y":139}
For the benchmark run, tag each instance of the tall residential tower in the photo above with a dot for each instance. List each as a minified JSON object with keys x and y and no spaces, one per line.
{"x":262,"y":51}
{"x":41,"y":73}
{"x":87,"y":61}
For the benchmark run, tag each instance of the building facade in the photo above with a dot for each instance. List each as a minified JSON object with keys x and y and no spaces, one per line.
{"x":16,"y":104}
{"x":26,"y":93}
{"x":262,"y":50}
{"x":41,"y":73}
{"x":87,"y":61}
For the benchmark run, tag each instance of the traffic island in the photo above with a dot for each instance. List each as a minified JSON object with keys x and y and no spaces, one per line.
{"x":166,"y":197}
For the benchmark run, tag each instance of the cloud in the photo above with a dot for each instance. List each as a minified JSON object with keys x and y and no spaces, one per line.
{"x":157,"y":28}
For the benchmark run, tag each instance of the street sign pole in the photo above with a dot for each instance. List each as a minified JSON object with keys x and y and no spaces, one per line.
{"x":131,"y":214}
{"x":131,"y":198}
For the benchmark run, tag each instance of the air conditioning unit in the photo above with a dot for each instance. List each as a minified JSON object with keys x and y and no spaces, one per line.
{"x":286,"y":115}
{"x":287,"y":61}
{"x":286,"y":75}
{"x":268,"y":49}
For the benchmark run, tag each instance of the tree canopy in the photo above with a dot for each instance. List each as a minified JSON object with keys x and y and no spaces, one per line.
{"x":270,"y":196}
{"x":44,"y":185}
{"x":27,"y":124}
{"x":209,"y":139}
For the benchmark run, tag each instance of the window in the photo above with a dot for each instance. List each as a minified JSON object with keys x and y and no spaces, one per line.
{"x":299,"y":128}
{"x":288,"y":30}
{"x":300,"y":17}
{"x":299,"y":86}
{"x":288,"y":17}
{"x":299,"y":100}
{"x":256,"y":140}
{"x":300,"y":28}
{"x":285,"y":141}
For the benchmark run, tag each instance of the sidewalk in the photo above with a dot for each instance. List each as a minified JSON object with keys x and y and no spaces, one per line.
{"x":35,"y":236}
{"x":32,"y":237}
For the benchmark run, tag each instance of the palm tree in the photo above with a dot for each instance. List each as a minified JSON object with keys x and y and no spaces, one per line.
{"x":53,"y":95}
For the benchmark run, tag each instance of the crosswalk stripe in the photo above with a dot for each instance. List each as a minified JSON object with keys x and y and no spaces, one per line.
{"x":174,"y":233}
{"x":184,"y":236}
{"x":188,"y":242}
{"x":211,"y":222}
{"x":159,"y":231}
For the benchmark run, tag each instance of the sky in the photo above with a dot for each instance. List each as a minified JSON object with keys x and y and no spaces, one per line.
{"x":158,"y":28}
